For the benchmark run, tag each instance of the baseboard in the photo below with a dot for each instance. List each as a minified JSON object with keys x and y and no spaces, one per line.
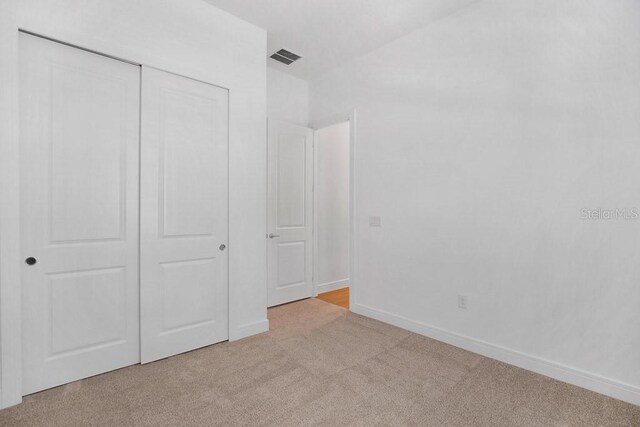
{"x":249,"y":329}
{"x":607,"y":386}
{"x":332,"y":286}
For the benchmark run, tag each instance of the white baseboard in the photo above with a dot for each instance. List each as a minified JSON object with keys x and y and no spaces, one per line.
{"x":607,"y":386}
{"x":249,"y":329}
{"x":331,"y":286}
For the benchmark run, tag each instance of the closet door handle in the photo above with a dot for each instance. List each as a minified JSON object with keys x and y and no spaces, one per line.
{"x":272,"y":236}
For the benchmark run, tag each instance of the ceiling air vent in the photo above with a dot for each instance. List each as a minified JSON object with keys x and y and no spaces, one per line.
{"x":285,"y":57}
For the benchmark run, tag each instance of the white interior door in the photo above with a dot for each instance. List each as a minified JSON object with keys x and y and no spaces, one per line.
{"x":290,"y":212}
{"x":184,"y":214}
{"x":79,"y":142}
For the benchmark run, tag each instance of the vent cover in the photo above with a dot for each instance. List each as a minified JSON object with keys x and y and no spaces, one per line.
{"x":285,"y":57}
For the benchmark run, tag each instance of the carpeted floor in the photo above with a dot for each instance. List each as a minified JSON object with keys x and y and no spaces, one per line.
{"x":322,"y":365}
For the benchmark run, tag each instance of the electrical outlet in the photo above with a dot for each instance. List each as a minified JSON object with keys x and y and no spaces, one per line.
{"x":462,"y":302}
{"x":374,"y":221}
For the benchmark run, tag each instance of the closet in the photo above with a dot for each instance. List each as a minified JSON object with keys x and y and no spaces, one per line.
{"x":124,"y":206}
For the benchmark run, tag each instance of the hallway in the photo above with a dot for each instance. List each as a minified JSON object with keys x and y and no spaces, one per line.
{"x":339,"y":297}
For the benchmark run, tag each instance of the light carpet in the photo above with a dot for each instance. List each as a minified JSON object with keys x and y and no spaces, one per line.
{"x":322,"y":365}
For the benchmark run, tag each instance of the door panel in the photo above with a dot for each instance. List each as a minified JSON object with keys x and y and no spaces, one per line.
{"x":86,"y":308}
{"x":87,"y":202}
{"x":79,"y":142}
{"x":184,"y":214}
{"x":291,"y":180}
{"x":290,"y":169}
{"x":189,"y":161}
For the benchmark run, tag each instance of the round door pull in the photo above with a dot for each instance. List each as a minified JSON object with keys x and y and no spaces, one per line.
{"x":31,"y":260}
{"x":223,"y":247}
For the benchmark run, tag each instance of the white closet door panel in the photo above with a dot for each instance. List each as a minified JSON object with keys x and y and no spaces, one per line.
{"x":79,"y":131}
{"x":290,"y":212}
{"x":184,"y":214}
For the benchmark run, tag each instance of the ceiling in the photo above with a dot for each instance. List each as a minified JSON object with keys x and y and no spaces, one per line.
{"x":327,"y":33}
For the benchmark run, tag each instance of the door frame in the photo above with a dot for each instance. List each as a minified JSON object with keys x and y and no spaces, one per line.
{"x":10,"y":222}
{"x":350,"y":117}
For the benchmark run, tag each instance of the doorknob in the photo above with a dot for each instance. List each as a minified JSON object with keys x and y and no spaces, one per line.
{"x":271,"y":235}
{"x":31,"y":260}
{"x":222,"y":247}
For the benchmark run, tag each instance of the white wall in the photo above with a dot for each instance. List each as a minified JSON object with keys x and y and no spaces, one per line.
{"x":332,"y":207}
{"x":188,"y":37}
{"x":479,"y":140}
{"x":287,"y":98}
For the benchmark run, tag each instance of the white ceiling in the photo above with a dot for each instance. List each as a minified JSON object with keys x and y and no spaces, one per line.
{"x":327,"y":33}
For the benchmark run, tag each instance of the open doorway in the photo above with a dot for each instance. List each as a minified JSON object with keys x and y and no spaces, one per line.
{"x":331,"y":213}
{"x":310,"y":211}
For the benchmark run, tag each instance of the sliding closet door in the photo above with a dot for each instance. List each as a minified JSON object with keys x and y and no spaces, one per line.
{"x":79,"y":145}
{"x":184,"y":214}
